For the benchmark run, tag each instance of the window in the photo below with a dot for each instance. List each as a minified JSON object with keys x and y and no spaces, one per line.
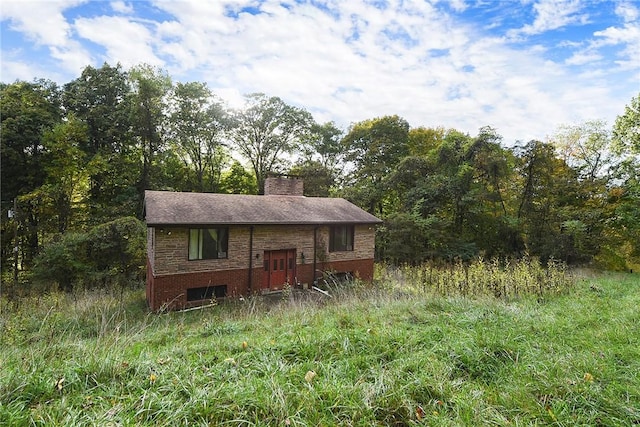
{"x":341,"y":238}
{"x":208,"y":243}
{"x":206,"y":292}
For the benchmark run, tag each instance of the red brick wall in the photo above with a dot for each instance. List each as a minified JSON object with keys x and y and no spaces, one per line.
{"x":170,"y":291}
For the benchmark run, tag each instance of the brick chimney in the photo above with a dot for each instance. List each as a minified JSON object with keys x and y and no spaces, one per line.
{"x":286,"y":185}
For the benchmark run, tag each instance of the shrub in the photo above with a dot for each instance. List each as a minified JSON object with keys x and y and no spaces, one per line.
{"x":63,"y":261}
{"x":112,"y":253}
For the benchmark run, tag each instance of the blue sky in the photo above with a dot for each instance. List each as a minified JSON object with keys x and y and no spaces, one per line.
{"x":524,"y":67}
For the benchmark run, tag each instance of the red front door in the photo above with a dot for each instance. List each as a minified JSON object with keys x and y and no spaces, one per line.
{"x":279,"y":268}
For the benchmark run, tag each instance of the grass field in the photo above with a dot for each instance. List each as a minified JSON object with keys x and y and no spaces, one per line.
{"x":403,"y":352}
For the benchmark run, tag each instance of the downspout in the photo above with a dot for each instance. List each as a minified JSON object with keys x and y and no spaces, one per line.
{"x":315,"y":246}
{"x":250,"y":257}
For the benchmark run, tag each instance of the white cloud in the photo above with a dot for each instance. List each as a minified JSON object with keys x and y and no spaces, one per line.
{"x":627,"y":36}
{"x":583,"y":57}
{"x":122,"y":7}
{"x":125,"y":41}
{"x":44,"y":23}
{"x":551,"y":15}
{"x":74,"y":57}
{"x":342,"y":66}
{"x":627,"y":11}
{"x":458,"y":5}
{"x":41,"y":21}
{"x":351,"y":61}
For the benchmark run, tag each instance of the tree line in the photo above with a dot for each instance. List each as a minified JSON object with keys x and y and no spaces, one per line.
{"x":77,"y":158}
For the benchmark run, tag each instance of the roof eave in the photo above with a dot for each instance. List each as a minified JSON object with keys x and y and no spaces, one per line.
{"x":244,"y":224}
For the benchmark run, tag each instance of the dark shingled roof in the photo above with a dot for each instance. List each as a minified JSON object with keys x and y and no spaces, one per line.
{"x":175,"y":208}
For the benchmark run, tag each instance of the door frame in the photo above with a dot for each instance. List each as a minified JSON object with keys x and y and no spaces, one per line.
{"x":269,"y":279}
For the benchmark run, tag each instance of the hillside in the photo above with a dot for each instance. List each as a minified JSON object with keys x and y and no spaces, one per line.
{"x":368,"y":356}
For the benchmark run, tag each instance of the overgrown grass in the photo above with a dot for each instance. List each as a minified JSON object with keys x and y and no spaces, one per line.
{"x":397,"y":353}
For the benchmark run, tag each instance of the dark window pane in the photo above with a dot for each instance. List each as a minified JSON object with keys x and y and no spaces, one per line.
{"x":206,"y":292}
{"x":341,"y":238}
{"x":208,"y":243}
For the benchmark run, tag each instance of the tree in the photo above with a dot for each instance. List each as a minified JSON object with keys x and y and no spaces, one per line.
{"x":555,"y":212}
{"x":318,"y":179}
{"x":626,"y":131}
{"x":237,"y":180}
{"x":625,"y":225}
{"x":267,"y":131}
{"x":101,"y":98}
{"x":450,"y":191}
{"x":151,"y":87}
{"x":198,"y":122}
{"x":374,"y":148}
{"x":112,"y":253}
{"x":27,"y":112}
{"x":324,"y":146}
{"x":423,"y":140}
{"x":586,"y":148}
{"x":66,"y":181}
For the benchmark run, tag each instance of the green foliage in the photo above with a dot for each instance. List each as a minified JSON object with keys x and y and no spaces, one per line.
{"x":237,"y":180}
{"x":66,"y":183}
{"x":626,"y":131}
{"x":118,"y":250}
{"x":198,"y":122}
{"x":374,"y":147}
{"x":323,"y":144}
{"x":410,"y":238}
{"x":27,"y":112}
{"x":63,"y":261}
{"x":625,"y":224}
{"x":109,"y":254}
{"x":100,"y":98}
{"x":388,"y":355}
{"x":266,"y":131}
{"x":150,"y":87}
{"x":82,"y":156}
{"x":318,"y":179}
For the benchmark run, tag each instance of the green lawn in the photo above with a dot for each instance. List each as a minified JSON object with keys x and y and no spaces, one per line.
{"x":367,"y":356}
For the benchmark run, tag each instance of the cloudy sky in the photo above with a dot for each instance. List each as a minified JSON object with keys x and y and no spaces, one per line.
{"x":522,"y":66}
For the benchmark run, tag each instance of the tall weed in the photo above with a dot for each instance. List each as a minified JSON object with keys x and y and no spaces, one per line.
{"x":503,"y":279}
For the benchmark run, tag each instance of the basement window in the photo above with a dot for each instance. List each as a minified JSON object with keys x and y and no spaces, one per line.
{"x":206,"y":293}
{"x":208,"y":243}
{"x":341,"y":238}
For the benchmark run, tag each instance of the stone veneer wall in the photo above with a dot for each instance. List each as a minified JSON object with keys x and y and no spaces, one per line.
{"x":170,"y":273}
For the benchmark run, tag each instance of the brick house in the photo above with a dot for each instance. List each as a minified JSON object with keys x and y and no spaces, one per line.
{"x":206,"y":245}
